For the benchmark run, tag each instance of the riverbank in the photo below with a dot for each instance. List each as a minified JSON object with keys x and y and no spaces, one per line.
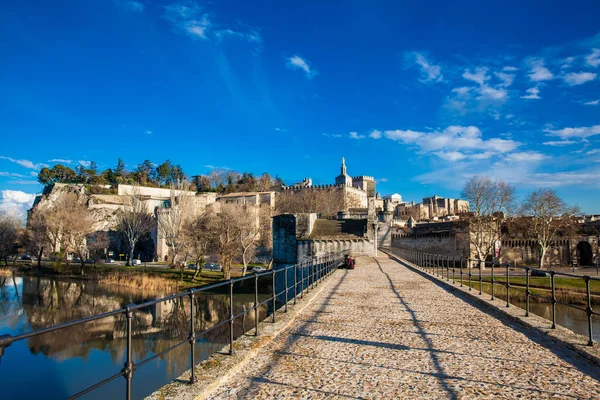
{"x":138,"y":277}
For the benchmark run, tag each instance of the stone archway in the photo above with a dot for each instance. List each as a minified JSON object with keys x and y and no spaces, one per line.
{"x":584,"y":250}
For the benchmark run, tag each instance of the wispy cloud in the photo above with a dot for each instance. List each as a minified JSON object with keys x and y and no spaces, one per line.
{"x":429,"y":71}
{"x":532,"y":93}
{"x":84,"y":163}
{"x":454,"y":142}
{"x":195,"y":21}
{"x":297,"y":62}
{"x":559,"y":143}
{"x":355,"y":135}
{"x":578,"y":78}
{"x":148,"y":132}
{"x":479,"y":76}
{"x":12,"y":174}
{"x":24,"y":163}
{"x":594,"y":58}
{"x":61,"y":160}
{"x":375,"y":134}
{"x":130,"y":5}
{"x":580,"y":132}
{"x":538,"y":71}
{"x":332,"y":135}
{"x":592,"y":103}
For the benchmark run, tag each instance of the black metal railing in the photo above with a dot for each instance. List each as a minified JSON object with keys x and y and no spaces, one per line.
{"x":306,"y":276}
{"x":438,"y":264}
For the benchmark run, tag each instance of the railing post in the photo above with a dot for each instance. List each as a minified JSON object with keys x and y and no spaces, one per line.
{"x":553,"y":300}
{"x":527,"y":293}
{"x":493,"y":280}
{"x":192,"y":339}
{"x":302,"y":281}
{"x":470,"y":273}
{"x":453,"y":270}
{"x":480,"y":277}
{"x":274,"y":295}
{"x":507,"y":286}
{"x":230,"y":317}
{"x":255,"y":304}
{"x":128,"y":369}
{"x":589,"y":310}
{"x":295,"y":282}
{"x":286,"y":269}
{"x":461,"y":271}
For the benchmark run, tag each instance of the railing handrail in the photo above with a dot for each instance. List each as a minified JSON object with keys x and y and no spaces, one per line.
{"x":433,"y":263}
{"x":319,"y":268}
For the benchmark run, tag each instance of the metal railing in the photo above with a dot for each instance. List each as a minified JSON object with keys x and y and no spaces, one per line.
{"x":306,"y":276}
{"x":438,"y":264}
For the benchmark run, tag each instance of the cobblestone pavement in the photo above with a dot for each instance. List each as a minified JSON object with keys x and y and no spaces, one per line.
{"x":384,"y":331}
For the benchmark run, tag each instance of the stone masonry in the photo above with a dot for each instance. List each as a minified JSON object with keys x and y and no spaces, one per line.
{"x":384,"y":331}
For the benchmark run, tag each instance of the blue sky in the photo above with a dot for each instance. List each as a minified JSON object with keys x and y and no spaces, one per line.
{"x":420,"y":95}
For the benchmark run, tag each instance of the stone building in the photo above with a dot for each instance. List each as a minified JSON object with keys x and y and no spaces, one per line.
{"x":433,"y":207}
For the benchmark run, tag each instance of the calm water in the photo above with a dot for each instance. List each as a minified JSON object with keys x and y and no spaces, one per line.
{"x":570,"y":318}
{"x":62,"y":363}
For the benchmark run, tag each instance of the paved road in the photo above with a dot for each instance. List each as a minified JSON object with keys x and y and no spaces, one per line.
{"x":384,"y":331}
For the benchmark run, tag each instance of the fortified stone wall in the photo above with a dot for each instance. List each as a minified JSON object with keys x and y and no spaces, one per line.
{"x":448,"y":244}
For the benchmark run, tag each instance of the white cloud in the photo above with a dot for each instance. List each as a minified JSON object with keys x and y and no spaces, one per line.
{"x":533,"y":93}
{"x":490,"y":93}
{"x":525,"y":156}
{"x":454,"y":142}
{"x":354,"y":135}
{"x":592,"y":152}
{"x":61,"y":160}
{"x":429,"y":72}
{"x":566,"y":62}
{"x":383,"y":180}
{"x":559,"y":143}
{"x":375,"y":134}
{"x":450,"y":155}
{"x":24,"y":163}
{"x":193,"y":20}
{"x":509,"y":68}
{"x":332,"y":135}
{"x":592,"y":103}
{"x":479,"y":76}
{"x":578,"y":78}
{"x":297,"y":62}
{"x":507,"y":79}
{"x":462,"y":91}
{"x":594,"y":58}
{"x":580,"y":132}
{"x":16,"y":202}
{"x":538,"y":70}
{"x":84,"y":163}
{"x":148,"y":132}
{"x":12,"y":175}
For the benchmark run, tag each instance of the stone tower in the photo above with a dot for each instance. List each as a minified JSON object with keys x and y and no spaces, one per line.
{"x":343,"y":179}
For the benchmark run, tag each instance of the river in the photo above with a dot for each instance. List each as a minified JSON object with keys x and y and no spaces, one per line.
{"x":568,"y":317}
{"x":62,"y":363}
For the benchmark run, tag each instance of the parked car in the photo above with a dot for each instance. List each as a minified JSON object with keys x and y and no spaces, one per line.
{"x":258,"y":270}
{"x":26,"y":257}
{"x":136,"y":261}
{"x":192,"y":266}
{"x":76,"y":260}
{"x":109,"y":261}
{"x":538,"y":272}
{"x":213,"y":266}
{"x":90,"y":261}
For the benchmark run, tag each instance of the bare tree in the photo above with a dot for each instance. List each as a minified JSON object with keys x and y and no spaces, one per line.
{"x":324,"y":201}
{"x":225,"y":233}
{"x":548,"y":216}
{"x":37,"y":235}
{"x":490,"y":201}
{"x":197,"y":236}
{"x":77,"y":224}
{"x":134,"y":222}
{"x":249,"y":231}
{"x":9,"y":234}
{"x":172,"y":220}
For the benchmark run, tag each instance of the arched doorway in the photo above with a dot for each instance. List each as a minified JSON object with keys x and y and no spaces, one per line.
{"x":584,"y":250}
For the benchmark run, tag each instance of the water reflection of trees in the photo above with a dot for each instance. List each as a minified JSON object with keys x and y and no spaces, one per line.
{"x":47,"y":302}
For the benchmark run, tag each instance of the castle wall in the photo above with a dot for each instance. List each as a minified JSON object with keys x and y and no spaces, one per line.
{"x":448,"y":243}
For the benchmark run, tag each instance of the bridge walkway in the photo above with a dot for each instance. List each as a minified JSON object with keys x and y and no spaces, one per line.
{"x":384,"y":331}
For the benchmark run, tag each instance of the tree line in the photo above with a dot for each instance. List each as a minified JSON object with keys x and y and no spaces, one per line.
{"x":494,"y":213}
{"x":164,"y":175}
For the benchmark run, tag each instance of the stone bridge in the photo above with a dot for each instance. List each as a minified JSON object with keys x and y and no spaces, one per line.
{"x":387,"y":331}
